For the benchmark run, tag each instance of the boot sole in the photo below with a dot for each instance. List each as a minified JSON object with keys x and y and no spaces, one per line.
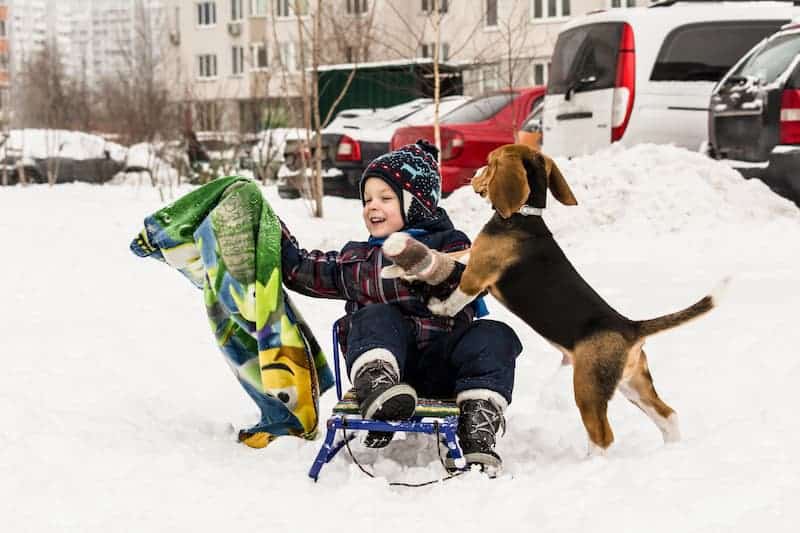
{"x":398,"y":402}
{"x":489,"y":464}
{"x":395,"y":403}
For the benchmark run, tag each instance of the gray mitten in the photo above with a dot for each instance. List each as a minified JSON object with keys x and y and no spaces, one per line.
{"x":415,"y":261}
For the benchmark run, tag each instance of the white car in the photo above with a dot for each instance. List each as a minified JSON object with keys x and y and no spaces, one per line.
{"x":646,"y":74}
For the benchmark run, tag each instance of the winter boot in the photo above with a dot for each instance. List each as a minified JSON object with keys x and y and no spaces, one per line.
{"x":381,"y":396}
{"x":478,"y":424}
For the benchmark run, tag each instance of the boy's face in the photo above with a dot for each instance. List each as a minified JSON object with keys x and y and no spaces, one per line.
{"x":382,"y":214}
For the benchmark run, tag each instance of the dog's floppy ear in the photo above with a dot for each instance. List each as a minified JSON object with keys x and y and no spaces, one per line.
{"x":557,"y":184}
{"x":509,"y":190}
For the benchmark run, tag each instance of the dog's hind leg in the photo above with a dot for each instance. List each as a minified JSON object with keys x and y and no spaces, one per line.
{"x":598,"y":363}
{"x":638,"y":388}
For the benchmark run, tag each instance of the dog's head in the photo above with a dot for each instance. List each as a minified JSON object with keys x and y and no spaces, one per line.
{"x":517,"y":175}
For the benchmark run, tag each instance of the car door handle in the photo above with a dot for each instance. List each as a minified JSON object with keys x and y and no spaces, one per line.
{"x":680,"y":108}
{"x":574,"y":116}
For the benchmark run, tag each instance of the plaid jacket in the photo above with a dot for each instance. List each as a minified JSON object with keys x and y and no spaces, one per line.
{"x":353,"y":274}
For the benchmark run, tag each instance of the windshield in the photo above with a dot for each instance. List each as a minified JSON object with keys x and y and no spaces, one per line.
{"x":706,"y":51}
{"x":583,"y":52}
{"x":479,"y":109}
{"x":772,"y":60}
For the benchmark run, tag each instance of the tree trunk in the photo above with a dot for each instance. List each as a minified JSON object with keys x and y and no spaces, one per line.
{"x":315,"y":193}
{"x":315,"y":53}
{"x":437,"y":25}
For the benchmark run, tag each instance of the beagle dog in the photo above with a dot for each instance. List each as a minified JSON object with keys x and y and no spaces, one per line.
{"x":517,"y":260}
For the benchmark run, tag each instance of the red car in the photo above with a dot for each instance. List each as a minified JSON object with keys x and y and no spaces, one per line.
{"x":474,"y":129}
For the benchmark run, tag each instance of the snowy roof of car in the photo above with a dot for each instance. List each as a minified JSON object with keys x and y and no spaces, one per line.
{"x":687,"y":12}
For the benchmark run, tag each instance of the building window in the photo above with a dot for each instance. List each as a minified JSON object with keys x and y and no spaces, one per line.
{"x":288,"y":56}
{"x":237,"y":10}
{"x":207,"y":116}
{"x":426,"y":50}
{"x":258,"y":8}
{"x":490,"y":14}
{"x":286,"y":8}
{"x":427,"y":5}
{"x":490,"y":78}
{"x":622,"y":3}
{"x":260,"y":57}
{"x":540,"y":73}
{"x":2,"y":28}
{"x":207,"y":66}
{"x":543,"y":9}
{"x":357,"y":7}
{"x":237,"y":60}
{"x":206,"y":13}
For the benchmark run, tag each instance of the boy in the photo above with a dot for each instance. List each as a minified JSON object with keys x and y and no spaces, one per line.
{"x":392,"y":343}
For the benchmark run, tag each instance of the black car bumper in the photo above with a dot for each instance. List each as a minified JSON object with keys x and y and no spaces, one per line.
{"x":781,"y":172}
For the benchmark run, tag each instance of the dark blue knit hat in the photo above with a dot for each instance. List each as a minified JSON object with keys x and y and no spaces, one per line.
{"x":412,"y":171}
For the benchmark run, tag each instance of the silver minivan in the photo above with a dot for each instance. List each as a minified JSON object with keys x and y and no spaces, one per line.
{"x":646,"y":74}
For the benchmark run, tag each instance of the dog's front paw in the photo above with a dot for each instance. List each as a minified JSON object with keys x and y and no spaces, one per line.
{"x":442,"y":308}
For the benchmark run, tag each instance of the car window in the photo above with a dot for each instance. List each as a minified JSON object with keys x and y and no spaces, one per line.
{"x":772,"y":59}
{"x":707,"y":50}
{"x":479,"y":109}
{"x":533,"y":121}
{"x":585,"y":51}
{"x":794,"y":79}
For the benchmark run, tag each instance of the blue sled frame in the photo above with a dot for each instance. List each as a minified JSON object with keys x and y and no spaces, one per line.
{"x":443,"y":426}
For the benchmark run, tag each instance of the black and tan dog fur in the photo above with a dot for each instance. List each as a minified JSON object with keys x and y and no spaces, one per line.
{"x":517,"y":260}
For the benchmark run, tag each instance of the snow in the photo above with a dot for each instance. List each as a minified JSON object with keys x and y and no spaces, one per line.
{"x":41,"y":144}
{"x":144,"y":164}
{"x":118,"y":412}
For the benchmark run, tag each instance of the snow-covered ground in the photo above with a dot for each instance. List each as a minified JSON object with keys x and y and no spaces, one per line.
{"x":117,"y":413}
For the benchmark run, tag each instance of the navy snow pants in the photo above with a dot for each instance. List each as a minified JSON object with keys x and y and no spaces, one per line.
{"x":479,"y":356}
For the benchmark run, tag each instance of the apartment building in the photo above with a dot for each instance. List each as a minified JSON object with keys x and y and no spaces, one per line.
{"x":4,"y":65}
{"x":232,"y":59}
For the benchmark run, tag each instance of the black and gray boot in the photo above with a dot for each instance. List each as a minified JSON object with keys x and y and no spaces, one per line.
{"x":381,"y":396}
{"x":478,"y":424}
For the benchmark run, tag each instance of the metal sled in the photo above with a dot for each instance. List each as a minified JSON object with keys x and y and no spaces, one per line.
{"x":435,"y":417}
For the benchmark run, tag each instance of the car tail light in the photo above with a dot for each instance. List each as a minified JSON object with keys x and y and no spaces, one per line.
{"x":452,"y":144}
{"x":348,"y":150}
{"x":625,"y":86}
{"x":790,"y":117}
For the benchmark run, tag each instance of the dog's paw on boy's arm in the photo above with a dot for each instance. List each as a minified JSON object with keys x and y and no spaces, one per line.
{"x":414,"y":261}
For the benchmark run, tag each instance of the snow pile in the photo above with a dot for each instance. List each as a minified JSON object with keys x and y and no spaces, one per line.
{"x":120,"y":414}
{"x":144,"y":164}
{"x":645,"y":191}
{"x":42,"y":144}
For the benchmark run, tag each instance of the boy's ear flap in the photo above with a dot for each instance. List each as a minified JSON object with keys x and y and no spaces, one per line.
{"x":557,"y":184}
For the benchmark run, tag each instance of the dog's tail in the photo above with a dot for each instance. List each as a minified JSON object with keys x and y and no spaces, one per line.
{"x":701,"y":307}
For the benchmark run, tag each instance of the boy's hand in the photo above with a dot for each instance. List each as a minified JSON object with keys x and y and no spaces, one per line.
{"x":415,"y":261}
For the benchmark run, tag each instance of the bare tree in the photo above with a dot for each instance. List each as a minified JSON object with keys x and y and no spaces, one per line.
{"x":47,"y":102}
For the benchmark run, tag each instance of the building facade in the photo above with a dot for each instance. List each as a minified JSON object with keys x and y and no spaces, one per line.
{"x":233,"y":61}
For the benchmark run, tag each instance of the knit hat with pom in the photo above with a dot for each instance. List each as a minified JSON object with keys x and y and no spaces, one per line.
{"x":413,"y":173}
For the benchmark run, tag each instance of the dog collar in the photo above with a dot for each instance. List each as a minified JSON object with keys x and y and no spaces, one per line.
{"x":527,"y":210}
